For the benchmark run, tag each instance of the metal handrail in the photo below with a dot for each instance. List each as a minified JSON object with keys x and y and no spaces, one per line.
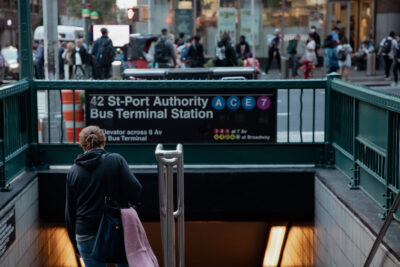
{"x":383,"y":230}
{"x":166,"y":160}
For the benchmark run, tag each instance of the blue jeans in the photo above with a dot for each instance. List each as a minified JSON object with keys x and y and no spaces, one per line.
{"x":85,"y":249}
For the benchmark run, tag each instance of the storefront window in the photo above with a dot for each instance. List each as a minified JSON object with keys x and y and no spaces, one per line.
{"x":214,"y":17}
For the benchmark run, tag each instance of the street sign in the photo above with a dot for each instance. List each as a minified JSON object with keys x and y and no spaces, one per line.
{"x":127,"y":117}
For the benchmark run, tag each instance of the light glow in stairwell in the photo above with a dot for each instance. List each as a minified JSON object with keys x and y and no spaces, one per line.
{"x":274,"y":246}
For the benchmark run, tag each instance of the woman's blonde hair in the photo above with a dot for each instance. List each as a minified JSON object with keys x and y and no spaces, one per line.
{"x":92,"y":137}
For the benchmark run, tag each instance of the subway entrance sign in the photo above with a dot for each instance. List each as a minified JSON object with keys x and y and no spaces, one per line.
{"x":129,"y":117}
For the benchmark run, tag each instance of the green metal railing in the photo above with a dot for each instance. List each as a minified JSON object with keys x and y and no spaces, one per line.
{"x":365,"y":138}
{"x":299,"y":127}
{"x":359,"y":133}
{"x":14,"y":135}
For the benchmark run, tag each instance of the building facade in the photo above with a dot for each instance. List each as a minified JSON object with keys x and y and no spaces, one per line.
{"x":9,"y":20}
{"x":357,"y":19}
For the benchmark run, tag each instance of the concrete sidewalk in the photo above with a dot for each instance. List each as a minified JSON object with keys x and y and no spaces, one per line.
{"x":358,"y":77}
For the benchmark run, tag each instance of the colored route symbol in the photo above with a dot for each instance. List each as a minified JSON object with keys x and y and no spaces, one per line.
{"x":233,"y":102}
{"x":263,"y":102}
{"x":248,"y":102}
{"x":218,"y":102}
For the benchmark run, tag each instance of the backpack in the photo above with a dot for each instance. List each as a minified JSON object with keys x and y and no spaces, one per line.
{"x":342,"y":54}
{"x":106,"y":54}
{"x":220,"y":52}
{"x":161,"y":54}
{"x":387,"y":46}
{"x":292,"y":47}
{"x":185,"y":53}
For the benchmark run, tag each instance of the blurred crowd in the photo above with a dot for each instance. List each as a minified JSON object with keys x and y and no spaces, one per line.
{"x":80,"y":61}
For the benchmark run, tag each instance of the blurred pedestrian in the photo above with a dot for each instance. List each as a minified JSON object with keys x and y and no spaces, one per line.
{"x":181,"y":40}
{"x":344,"y":50}
{"x":317,"y":39}
{"x":250,"y":61}
{"x":360,"y":57}
{"x":61,"y":50}
{"x":273,"y":51}
{"x":2,"y":66}
{"x":335,"y":35}
{"x":79,"y":59}
{"x":164,"y":51}
{"x":39,"y":60}
{"x":183,"y":52}
{"x":292,"y":53}
{"x":196,"y":53}
{"x":103,"y":55}
{"x":68,"y":63}
{"x":242,"y":48}
{"x":331,"y":60}
{"x":225,"y":55}
{"x":309,"y":59}
{"x":396,"y":63}
{"x":387,"y":48}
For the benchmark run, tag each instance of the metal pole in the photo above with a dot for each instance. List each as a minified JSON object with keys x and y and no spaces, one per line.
{"x":253,"y":32}
{"x":150,"y":16}
{"x":283,"y":26}
{"x":50,"y":21}
{"x":166,"y":162}
{"x":25,"y":40}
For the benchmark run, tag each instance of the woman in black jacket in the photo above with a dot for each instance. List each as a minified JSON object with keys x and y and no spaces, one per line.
{"x":86,"y":189}
{"x":196,"y":53}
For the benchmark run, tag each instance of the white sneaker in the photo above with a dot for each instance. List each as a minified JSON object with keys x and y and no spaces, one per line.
{"x":388,"y":78}
{"x":393,"y":84}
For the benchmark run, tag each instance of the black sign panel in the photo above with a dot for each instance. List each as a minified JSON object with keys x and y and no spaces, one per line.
{"x":7,"y":231}
{"x":211,"y":118}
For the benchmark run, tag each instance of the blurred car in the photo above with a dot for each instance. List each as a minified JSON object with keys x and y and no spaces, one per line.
{"x":10,"y":54}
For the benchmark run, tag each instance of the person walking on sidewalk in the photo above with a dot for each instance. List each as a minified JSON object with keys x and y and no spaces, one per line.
{"x":103,"y":55}
{"x":387,"y":48}
{"x":273,"y":51}
{"x":344,"y":50}
{"x":309,"y":59}
{"x":196,"y":53}
{"x":164,"y":51}
{"x":242,"y":48}
{"x":396,"y":63}
{"x":79,"y":58}
{"x":317,"y":39}
{"x":292,"y":52}
{"x":225,"y":55}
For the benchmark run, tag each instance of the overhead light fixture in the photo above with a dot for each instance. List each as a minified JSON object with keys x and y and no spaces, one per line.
{"x":274,"y":246}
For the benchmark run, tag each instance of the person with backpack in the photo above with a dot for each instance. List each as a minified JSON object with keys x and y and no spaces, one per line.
{"x":331,"y":60}
{"x":183,"y":52}
{"x":387,"y":48}
{"x":225,"y":55}
{"x":292,"y":52}
{"x":273,"y":51}
{"x":344,"y":50}
{"x":164,"y":51}
{"x":196,"y":53}
{"x":103,"y":55}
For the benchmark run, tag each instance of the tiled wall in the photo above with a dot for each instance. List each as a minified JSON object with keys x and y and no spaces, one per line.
{"x":340,"y":238}
{"x":36,"y":244}
{"x":23,"y":251}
